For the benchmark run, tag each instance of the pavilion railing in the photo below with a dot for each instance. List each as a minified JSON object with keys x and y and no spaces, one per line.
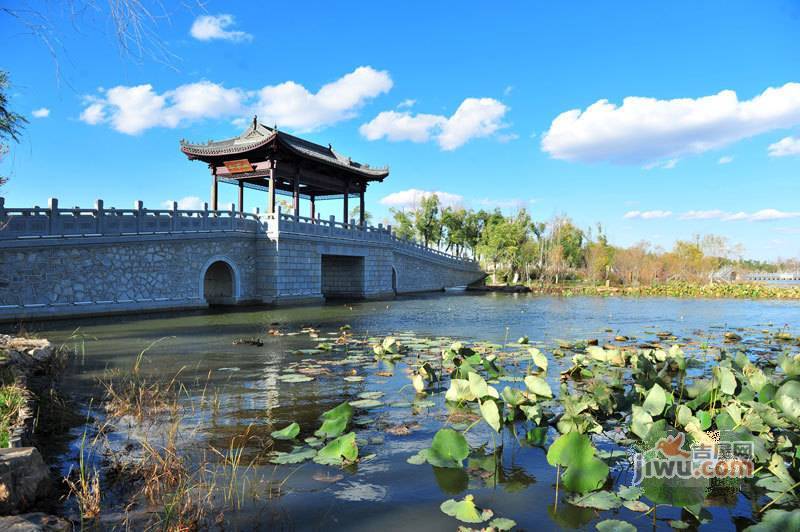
{"x":52,"y":221}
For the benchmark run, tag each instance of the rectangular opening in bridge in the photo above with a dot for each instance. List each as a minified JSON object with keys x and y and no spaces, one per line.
{"x":342,"y":277}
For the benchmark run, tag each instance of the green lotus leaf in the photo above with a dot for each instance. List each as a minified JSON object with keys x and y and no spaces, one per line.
{"x":630,"y":493}
{"x":513,"y":396}
{"x":538,"y":386}
{"x":586,"y":475}
{"x":777,"y":521}
{"x":294,"y":457}
{"x":787,"y":398}
{"x":491,"y":414}
{"x":615,"y":525}
{"x":289,"y":432}
{"x":449,"y":448}
{"x":655,"y":400}
{"x":465,"y":510}
{"x":341,"y":450}
{"x":538,"y":358}
{"x":570,"y":448}
{"x":335,"y":421}
{"x":502,"y":524}
{"x":599,"y":500}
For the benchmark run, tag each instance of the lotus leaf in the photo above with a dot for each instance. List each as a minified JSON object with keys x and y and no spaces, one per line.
{"x":289,"y":432}
{"x":341,"y":450}
{"x":465,"y":510}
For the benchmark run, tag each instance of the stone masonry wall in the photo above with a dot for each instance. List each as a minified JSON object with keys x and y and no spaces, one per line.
{"x":415,"y":274}
{"x":68,"y":276}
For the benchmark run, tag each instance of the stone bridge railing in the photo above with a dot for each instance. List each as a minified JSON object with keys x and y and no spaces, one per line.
{"x":52,"y":221}
{"x":283,"y":222}
{"x":55,"y":222}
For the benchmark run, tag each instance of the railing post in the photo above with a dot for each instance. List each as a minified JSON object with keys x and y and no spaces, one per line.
{"x":99,"y":215}
{"x":233,"y":216}
{"x":2,"y":209}
{"x":52,"y":205}
{"x":138,"y":205}
{"x":204,"y":225}
{"x":173,"y":215}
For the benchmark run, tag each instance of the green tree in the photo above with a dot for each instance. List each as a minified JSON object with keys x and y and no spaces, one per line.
{"x":427,"y":221}
{"x":404,"y":226}
{"x":11,"y":123}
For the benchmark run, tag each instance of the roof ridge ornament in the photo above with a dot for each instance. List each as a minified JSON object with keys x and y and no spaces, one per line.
{"x":255,"y":122}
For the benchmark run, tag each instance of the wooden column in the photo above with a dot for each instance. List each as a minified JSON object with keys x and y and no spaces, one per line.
{"x":313,"y":208}
{"x":213,"y":188}
{"x":241,"y":196}
{"x":361,"y":211}
{"x":346,"y":197}
{"x":271,"y":192}
{"x":296,"y":193}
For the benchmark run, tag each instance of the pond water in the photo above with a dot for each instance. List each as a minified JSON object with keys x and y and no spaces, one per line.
{"x":385,"y":492}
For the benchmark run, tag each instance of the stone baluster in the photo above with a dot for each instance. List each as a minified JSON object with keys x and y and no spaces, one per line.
{"x":204,"y":224}
{"x":173,"y":216}
{"x":2,"y":209}
{"x":139,"y":206}
{"x":233,"y":216}
{"x":53,"y":218}
{"x":99,"y":216}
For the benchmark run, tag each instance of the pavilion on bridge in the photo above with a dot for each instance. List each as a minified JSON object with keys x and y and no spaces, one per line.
{"x":265,"y":158}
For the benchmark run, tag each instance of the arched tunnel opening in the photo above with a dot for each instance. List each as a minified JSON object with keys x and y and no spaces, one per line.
{"x":218,"y":284}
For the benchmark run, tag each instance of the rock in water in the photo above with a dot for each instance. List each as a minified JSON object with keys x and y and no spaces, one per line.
{"x":35,"y":522}
{"x":24,"y":479}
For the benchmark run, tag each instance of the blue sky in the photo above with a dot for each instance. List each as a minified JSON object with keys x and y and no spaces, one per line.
{"x":492,"y":104}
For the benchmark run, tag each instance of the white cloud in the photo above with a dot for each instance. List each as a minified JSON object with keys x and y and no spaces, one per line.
{"x":411,"y":198}
{"x":784,"y":147}
{"x":725,"y":159}
{"x":702,"y":215}
{"x":187,"y":203}
{"x":508,"y":90}
{"x":397,"y":126}
{"x":210,"y":27}
{"x":134,"y":109}
{"x":407,"y":103}
{"x":662,"y":165}
{"x":291,"y":105}
{"x":763,"y":215}
{"x":643,"y":130}
{"x":647,"y":215}
{"x":94,"y":113}
{"x":42,"y":112}
{"x":474,"y":118}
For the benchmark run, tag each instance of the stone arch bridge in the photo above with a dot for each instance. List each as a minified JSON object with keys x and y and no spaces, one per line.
{"x":64,"y":262}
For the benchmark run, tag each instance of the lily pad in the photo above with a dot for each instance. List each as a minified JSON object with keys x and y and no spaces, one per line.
{"x":465,"y":510}
{"x":341,"y":450}
{"x":615,"y":525}
{"x":289,"y":432}
{"x":294,"y":457}
{"x":294,"y":378}
{"x":448,"y":449}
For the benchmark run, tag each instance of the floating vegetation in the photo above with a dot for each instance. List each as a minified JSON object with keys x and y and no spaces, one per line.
{"x":574,"y":414}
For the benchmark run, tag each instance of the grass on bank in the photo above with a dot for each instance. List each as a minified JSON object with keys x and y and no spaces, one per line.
{"x":12,"y":399}
{"x":673,"y":289}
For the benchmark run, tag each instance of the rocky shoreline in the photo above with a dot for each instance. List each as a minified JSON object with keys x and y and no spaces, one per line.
{"x":28,"y":487}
